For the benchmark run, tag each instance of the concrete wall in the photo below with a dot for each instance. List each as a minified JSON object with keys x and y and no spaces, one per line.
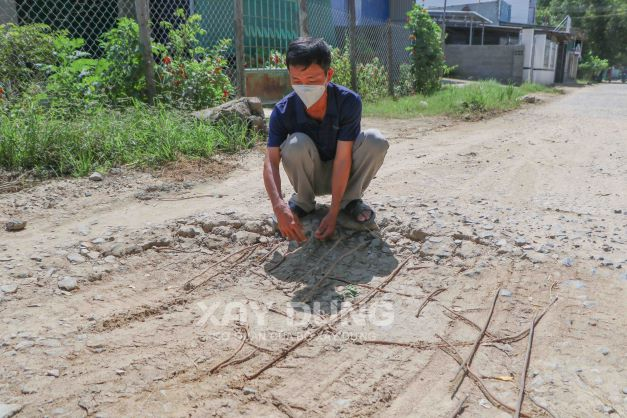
{"x":500,"y":62}
{"x":8,"y":12}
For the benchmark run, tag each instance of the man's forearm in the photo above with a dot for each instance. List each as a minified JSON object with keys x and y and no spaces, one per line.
{"x":272,"y":182}
{"x":339,"y":181}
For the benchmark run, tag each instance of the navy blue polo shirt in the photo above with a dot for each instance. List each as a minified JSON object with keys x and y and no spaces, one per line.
{"x":342,"y":122}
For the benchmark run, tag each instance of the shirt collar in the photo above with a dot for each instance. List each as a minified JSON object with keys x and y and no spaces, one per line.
{"x":330,"y":115}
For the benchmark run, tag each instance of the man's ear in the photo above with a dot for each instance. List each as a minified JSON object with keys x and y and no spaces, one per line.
{"x":330,"y":75}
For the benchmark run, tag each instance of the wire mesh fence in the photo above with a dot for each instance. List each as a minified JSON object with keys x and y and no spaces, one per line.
{"x":369,"y":47}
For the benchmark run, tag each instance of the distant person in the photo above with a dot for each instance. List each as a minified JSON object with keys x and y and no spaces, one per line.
{"x":316,"y":132}
{"x":609,"y":75}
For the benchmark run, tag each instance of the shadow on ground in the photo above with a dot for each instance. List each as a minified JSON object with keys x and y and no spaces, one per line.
{"x":331,"y":269}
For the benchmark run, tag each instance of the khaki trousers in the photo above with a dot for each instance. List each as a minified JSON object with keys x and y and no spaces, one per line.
{"x":311,"y":177}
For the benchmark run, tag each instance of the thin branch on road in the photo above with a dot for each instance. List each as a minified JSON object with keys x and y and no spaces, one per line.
{"x":459,"y":408}
{"x":523,"y":375}
{"x":451,"y":351}
{"x":429,"y":299}
{"x":224,"y":362}
{"x":461,"y":373}
{"x":468,"y":321}
{"x":317,"y":331}
{"x":524,"y":333}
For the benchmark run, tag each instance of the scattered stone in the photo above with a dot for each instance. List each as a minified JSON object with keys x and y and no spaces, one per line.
{"x":75,"y":258}
{"x":24,"y":344}
{"x":245,"y":237}
{"x":468,"y":250}
{"x":110,"y":259}
{"x":485,"y":234}
{"x":248,"y":390}
{"x":8,"y":288}
{"x":53,"y":373}
{"x":96,"y":176}
{"x":87,"y":194}
{"x":28,"y":390}
{"x":93,"y":255}
{"x":143,"y":195}
{"x":343,"y":403}
{"x":120,"y":372}
{"x":99,"y":298}
{"x":115,"y":171}
{"x":530,"y":99}
{"x":67,"y":283}
{"x":94,"y":276}
{"x":472,"y":272}
{"x":7,"y":410}
{"x":120,"y":250}
{"x":577,"y":284}
{"x":605,"y":409}
{"x":157,"y":242}
{"x":605,"y":351}
{"x":625,"y":390}
{"x":505,"y":293}
{"x":568,"y":262}
{"x":520,"y":241}
{"x":15,"y":225}
{"x":248,"y":109}
{"x":416,"y":234}
{"x":188,"y":231}
{"x":535,"y":258}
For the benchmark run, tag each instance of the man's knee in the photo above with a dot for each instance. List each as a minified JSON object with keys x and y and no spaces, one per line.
{"x":375,"y":142}
{"x":296,"y":145}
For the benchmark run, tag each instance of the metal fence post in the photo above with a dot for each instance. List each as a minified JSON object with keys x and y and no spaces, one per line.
{"x":352,"y":37}
{"x":239,"y":47}
{"x":143,"y":19}
{"x":390,"y":58}
{"x":303,"y":18}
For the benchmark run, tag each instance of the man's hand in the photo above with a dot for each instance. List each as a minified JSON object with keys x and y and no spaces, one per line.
{"x":289,"y":224}
{"x":327,"y":226}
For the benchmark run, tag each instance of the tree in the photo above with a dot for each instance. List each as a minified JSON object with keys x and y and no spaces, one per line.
{"x":604,"y":23}
{"x":427,"y":56}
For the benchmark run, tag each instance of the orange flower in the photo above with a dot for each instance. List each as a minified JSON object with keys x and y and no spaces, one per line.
{"x":1,"y":91}
{"x":217,"y":70}
{"x":225,"y":93}
{"x":167,"y":60}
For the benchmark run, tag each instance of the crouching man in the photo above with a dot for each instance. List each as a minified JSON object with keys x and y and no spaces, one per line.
{"x":316,"y":132}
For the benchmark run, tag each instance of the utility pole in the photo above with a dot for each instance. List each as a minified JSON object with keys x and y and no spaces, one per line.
{"x":239,"y":47}
{"x":142,"y":10}
{"x":444,"y":26}
{"x":303,"y":18}
{"x":352,"y":36}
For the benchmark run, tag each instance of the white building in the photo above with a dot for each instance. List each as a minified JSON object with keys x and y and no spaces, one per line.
{"x":523,"y":11}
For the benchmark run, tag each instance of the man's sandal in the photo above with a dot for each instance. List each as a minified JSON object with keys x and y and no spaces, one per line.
{"x":297,"y":210}
{"x":357,"y":207}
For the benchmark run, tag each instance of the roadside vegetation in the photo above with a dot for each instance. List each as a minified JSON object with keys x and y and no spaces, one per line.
{"x":64,"y":112}
{"x":137,"y":136}
{"x":471,"y":100}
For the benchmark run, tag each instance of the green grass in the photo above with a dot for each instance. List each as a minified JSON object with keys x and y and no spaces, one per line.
{"x":32,"y":139}
{"x":473,"y":99}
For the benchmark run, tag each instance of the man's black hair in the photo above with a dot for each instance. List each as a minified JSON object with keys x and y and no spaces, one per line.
{"x":306,"y":51}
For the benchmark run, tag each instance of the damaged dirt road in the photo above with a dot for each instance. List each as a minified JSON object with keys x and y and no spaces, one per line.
{"x":118,"y":298}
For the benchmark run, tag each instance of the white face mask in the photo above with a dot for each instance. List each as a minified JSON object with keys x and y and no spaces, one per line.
{"x":309,"y":93}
